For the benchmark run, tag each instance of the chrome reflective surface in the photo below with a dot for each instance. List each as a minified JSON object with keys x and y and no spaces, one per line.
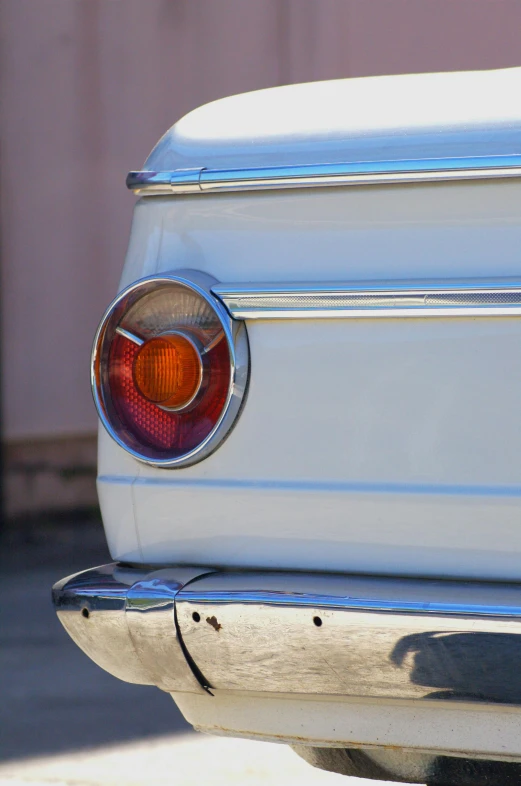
{"x":371,"y":299}
{"x":350,"y":636}
{"x":194,"y":630}
{"x":153,"y":629}
{"x":124,"y":620}
{"x":198,"y":181}
{"x":233,"y":331}
{"x":182,"y":181}
{"x":91,"y":607}
{"x":131,"y":337}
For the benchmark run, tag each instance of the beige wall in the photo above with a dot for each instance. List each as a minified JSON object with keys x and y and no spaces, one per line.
{"x":87,"y":87}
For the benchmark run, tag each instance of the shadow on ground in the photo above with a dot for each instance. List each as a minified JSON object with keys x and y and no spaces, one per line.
{"x":53,"y":697}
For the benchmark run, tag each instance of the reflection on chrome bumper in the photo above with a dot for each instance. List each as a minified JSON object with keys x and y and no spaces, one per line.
{"x":124,"y":619}
{"x":190,"y":629}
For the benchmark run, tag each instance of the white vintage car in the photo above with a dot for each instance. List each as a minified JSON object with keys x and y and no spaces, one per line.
{"x":309,"y":388}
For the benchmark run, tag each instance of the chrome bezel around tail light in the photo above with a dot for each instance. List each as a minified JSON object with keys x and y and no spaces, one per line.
{"x":237,"y":342}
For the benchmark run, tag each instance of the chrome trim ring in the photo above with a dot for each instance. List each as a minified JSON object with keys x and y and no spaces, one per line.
{"x":237,"y":340}
{"x":360,"y":173}
{"x":472,"y":298}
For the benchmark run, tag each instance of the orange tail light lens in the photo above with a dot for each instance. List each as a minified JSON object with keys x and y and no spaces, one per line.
{"x":169,"y":370}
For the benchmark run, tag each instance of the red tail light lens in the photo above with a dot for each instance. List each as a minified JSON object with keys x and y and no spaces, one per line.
{"x":169,"y":370}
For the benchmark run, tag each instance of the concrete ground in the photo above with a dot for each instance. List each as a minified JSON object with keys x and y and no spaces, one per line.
{"x":65,"y":721}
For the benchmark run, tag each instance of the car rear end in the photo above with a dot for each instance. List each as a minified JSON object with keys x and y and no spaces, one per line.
{"x":309,"y":453}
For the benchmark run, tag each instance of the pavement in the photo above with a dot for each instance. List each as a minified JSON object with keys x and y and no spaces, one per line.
{"x":65,"y":721}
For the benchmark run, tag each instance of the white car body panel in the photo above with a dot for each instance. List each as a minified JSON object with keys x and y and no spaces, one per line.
{"x":374,"y":445}
{"x":412,"y":116}
{"x":457,"y":728}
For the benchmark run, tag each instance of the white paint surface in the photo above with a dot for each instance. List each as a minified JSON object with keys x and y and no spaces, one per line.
{"x":399,"y":117}
{"x":457,"y":727}
{"x":368,"y":445}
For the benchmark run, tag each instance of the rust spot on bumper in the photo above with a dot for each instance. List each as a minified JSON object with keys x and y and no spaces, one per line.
{"x":213,"y":622}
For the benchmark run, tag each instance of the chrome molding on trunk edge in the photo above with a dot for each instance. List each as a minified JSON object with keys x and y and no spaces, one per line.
{"x":358,"y":173}
{"x":194,"y":630}
{"x":473,"y":298}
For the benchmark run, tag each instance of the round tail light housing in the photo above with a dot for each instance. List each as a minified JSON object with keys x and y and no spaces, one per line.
{"x":169,"y":369}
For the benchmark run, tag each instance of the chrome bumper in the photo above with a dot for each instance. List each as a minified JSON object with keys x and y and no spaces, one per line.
{"x":195,"y":630}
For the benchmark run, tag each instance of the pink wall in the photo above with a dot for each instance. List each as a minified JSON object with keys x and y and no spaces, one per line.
{"x":86,"y":89}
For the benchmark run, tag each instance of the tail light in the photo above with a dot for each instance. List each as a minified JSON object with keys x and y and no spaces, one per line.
{"x":169,"y":369}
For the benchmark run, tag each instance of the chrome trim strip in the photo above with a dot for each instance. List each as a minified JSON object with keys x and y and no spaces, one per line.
{"x":131,"y":337}
{"x":303,"y":600}
{"x":180,"y":181}
{"x":202,"y":180}
{"x":213,"y":343}
{"x":373,"y":299}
